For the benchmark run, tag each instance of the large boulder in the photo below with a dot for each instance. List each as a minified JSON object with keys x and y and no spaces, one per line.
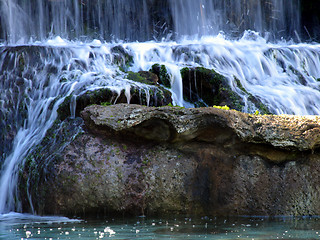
{"x":156,"y":160}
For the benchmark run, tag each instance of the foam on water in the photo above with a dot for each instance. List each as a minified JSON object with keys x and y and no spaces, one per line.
{"x":14,"y":218}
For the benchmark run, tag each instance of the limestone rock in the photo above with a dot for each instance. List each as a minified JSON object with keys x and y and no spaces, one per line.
{"x":286,"y":132}
{"x":159,"y":160}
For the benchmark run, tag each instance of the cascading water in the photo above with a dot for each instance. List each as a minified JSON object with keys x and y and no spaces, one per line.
{"x":131,"y":20}
{"x":39,"y":70}
{"x":205,"y":17}
{"x":35,"y":80}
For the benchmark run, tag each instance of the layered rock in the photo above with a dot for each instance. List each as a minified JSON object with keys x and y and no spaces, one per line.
{"x":156,"y":160}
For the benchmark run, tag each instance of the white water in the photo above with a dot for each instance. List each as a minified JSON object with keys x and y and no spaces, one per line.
{"x":278,"y":18}
{"x":284,"y":76}
{"x":143,"y":20}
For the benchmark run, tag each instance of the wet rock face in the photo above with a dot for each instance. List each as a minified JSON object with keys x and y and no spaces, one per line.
{"x":148,"y":160}
{"x":150,"y":94}
{"x":210,"y":87}
{"x":249,"y":185}
{"x":205,"y":87}
{"x":107,"y":176}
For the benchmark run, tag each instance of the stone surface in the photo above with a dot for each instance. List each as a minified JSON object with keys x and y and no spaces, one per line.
{"x":207,"y":124}
{"x":147,"y":160}
{"x":97,"y":174}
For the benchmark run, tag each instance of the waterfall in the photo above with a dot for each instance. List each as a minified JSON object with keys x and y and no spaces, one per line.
{"x":130,"y":20}
{"x":54,"y":49}
{"x":280,"y":18}
{"x":23,"y":21}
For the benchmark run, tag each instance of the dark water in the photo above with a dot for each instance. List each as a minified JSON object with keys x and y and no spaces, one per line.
{"x":31,"y":227}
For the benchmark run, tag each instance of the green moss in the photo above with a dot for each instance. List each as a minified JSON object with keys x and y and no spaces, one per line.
{"x":239,"y":85}
{"x":143,"y":77}
{"x":170,"y":105}
{"x":225,"y":107}
{"x":174,"y":106}
{"x":263,"y":109}
{"x":230,"y":98}
{"x":103,"y":96}
{"x":205,"y":87}
{"x":142,"y":170}
{"x":122,"y":58}
{"x":64,"y":108}
{"x":162,"y":73}
{"x":38,"y":170}
{"x":117,"y":151}
{"x":165,"y":76}
{"x":122,"y":69}
{"x":125,"y":147}
{"x":63,"y":79}
{"x":105,"y":104}
{"x":210,"y":75}
{"x":135,"y":77}
{"x":184,"y":72}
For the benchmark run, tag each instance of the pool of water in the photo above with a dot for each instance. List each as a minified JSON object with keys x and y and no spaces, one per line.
{"x":18,"y":226}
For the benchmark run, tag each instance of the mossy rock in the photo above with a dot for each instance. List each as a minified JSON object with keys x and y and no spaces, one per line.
{"x":122,"y":58}
{"x":158,"y":96}
{"x":39,"y":172}
{"x":262,"y":108}
{"x":187,"y":54}
{"x":162,"y":73}
{"x":206,"y":87}
{"x":143,"y":77}
{"x":88,"y":98}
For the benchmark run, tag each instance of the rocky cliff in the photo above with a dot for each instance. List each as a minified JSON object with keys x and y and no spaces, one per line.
{"x":156,"y":160}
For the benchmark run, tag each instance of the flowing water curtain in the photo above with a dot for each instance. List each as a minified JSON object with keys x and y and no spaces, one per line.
{"x":22,"y":20}
{"x":29,"y":98}
{"x":75,"y":19}
{"x":142,"y":20}
{"x":281,"y":18}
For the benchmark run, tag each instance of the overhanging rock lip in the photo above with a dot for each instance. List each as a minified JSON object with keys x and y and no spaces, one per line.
{"x":288,"y":132}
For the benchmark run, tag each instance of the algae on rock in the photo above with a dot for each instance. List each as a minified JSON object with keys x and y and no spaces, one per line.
{"x":205,"y":87}
{"x":149,"y":93}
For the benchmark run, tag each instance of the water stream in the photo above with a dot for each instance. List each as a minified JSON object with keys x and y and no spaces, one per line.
{"x":53,"y":49}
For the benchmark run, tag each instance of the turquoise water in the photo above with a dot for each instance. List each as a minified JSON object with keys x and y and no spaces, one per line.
{"x":30,"y":227}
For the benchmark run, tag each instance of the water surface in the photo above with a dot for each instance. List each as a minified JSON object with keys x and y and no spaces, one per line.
{"x":18,"y":226}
